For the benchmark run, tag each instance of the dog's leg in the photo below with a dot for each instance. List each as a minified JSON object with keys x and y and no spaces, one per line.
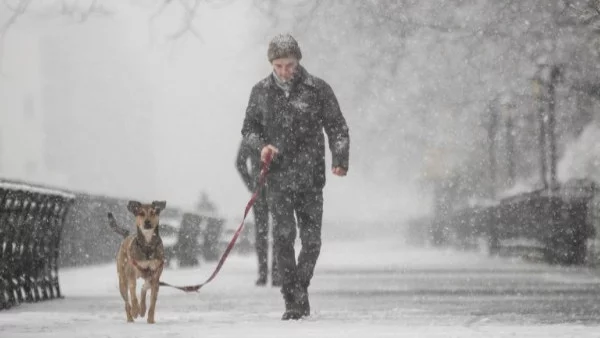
{"x":123,"y":289}
{"x":135,"y":307}
{"x":153,"y":297}
{"x":145,"y":287}
{"x":154,"y":285}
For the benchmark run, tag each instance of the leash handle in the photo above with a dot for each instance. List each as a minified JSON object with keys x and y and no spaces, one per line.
{"x":261,"y":181}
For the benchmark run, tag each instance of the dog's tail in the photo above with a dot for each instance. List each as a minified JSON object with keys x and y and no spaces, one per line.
{"x":112,"y":222}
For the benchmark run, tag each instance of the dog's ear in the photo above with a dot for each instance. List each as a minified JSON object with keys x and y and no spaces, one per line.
{"x":159,"y":206}
{"x":134,"y":207}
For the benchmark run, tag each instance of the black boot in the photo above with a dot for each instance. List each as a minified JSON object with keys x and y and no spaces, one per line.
{"x":292,"y":308}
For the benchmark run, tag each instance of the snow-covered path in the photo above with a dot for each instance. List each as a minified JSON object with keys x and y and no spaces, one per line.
{"x":375,"y":288}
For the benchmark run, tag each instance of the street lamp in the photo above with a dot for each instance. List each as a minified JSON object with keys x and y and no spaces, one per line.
{"x":537,"y":89}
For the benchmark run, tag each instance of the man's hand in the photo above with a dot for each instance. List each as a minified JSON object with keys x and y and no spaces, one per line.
{"x":339,"y":171}
{"x":266,"y":150}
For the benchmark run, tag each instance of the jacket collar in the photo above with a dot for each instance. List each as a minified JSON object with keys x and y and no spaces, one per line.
{"x":301,"y":77}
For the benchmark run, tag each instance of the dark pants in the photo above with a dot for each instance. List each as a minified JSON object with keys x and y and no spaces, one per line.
{"x":261,"y":226}
{"x":308,"y":210}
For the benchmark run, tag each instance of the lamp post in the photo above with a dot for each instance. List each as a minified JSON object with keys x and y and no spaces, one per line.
{"x":509,"y":134}
{"x":492,"y":127}
{"x":544,"y":88}
{"x":541,"y":115}
{"x":554,"y":74}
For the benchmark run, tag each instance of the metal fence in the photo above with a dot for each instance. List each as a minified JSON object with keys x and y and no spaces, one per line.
{"x":558,"y":224}
{"x":31,"y":222}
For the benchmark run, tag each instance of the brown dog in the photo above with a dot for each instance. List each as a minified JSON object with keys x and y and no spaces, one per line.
{"x":141,"y":255}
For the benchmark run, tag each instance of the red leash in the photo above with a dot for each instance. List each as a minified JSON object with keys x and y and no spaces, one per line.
{"x":261,"y":181}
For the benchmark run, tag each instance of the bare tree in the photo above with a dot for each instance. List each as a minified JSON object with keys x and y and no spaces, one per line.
{"x":15,"y":12}
{"x":18,"y":9}
{"x":11,"y":11}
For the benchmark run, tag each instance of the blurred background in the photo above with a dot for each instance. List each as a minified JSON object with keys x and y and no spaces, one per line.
{"x":450,"y":104}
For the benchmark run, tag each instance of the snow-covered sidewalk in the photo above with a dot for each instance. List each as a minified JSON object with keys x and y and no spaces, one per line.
{"x":375,"y":288}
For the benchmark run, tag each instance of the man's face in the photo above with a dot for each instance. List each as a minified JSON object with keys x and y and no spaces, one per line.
{"x":285,"y":68}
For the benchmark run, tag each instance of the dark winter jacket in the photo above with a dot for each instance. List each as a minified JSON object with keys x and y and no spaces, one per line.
{"x":294,"y":124}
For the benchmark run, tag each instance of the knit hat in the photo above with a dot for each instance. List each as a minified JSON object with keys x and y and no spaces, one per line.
{"x":282,"y":46}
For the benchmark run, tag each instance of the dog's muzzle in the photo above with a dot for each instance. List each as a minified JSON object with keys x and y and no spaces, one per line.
{"x":147,"y":225}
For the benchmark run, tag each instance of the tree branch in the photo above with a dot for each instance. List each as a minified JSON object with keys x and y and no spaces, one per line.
{"x":17,"y":11}
{"x":95,"y":8}
{"x":188,"y":20}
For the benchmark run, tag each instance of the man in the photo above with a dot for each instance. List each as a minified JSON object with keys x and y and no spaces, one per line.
{"x":285,"y":118}
{"x":261,"y":213}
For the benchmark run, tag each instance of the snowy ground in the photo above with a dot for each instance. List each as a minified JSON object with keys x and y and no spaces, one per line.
{"x":361,"y":289}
